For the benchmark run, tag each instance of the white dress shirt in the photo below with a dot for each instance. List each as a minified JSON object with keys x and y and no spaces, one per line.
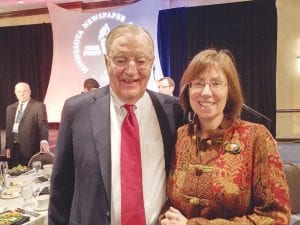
{"x":152,"y":156}
{"x":23,"y":108}
{"x":16,"y":123}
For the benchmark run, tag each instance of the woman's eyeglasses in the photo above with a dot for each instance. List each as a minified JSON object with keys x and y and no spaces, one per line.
{"x":214,"y":85}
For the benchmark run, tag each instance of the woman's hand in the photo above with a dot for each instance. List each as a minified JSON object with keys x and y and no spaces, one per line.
{"x":173,"y":217}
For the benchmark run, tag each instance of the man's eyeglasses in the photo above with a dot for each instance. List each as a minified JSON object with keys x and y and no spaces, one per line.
{"x":214,"y":85}
{"x":123,"y":61}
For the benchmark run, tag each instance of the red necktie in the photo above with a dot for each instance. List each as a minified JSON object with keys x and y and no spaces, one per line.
{"x":132,"y":201}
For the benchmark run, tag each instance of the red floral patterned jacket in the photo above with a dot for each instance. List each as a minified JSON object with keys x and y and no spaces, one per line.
{"x":234,"y":176}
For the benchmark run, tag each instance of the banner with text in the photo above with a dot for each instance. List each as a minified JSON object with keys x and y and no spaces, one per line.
{"x":79,"y":45}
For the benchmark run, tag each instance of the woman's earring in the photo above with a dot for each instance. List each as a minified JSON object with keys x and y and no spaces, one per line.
{"x":191,"y":117}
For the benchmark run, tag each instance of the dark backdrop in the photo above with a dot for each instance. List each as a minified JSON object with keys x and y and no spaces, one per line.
{"x":247,"y":29}
{"x":25,"y":55}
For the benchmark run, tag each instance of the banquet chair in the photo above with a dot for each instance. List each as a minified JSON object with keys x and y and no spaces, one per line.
{"x":44,"y":157}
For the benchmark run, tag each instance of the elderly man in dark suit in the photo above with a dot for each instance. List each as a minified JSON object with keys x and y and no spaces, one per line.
{"x":89,"y":185}
{"x":26,"y":127}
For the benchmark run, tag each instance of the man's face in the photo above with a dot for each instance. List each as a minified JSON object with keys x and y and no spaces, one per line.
{"x":22,"y":92}
{"x":129,"y":64}
{"x":165,"y":88}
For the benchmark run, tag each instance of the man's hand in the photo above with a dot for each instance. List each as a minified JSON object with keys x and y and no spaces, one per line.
{"x":44,"y":146}
{"x":8,"y":155}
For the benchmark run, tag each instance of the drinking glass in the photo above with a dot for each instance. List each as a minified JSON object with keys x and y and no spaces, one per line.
{"x":5,"y":167}
{"x":2,"y":184}
{"x":36,"y":165}
{"x":27,"y":193}
{"x":3,"y":174}
{"x":36,"y":190}
{"x":48,"y":171}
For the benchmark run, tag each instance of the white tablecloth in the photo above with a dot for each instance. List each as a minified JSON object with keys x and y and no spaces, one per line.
{"x":12,"y":204}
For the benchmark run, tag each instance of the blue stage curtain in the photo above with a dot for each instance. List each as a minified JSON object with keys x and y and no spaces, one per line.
{"x":171,"y":43}
{"x":247,"y":29}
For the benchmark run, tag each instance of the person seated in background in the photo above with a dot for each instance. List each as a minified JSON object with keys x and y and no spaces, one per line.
{"x":90,"y":84}
{"x":224,"y":170}
{"x":166,"y":85}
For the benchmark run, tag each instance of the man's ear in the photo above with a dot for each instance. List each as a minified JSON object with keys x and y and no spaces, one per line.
{"x":107,"y":63}
{"x":106,"y":60}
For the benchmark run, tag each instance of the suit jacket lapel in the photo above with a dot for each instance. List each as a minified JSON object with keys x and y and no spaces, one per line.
{"x":27,"y":109}
{"x":163,"y":112}
{"x":14,"y":111}
{"x":100,"y":117}
{"x":12,"y":116}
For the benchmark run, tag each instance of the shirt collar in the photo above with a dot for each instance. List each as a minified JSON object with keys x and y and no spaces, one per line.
{"x":24,"y":103}
{"x":118,"y":103}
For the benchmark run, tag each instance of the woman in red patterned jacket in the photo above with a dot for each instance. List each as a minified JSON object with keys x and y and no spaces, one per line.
{"x":224,"y":170}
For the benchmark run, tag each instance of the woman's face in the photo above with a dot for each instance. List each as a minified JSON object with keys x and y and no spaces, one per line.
{"x":208,"y":96}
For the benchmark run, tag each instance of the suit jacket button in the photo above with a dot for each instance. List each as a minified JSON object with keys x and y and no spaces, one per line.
{"x":108,"y":213}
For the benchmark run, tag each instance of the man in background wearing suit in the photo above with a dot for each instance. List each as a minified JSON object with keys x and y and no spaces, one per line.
{"x":26,"y":127}
{"x":166,"y":85}
{"x":86,"y":182}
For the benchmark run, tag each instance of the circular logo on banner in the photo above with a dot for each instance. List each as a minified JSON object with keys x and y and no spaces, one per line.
{"x":89,"y":44}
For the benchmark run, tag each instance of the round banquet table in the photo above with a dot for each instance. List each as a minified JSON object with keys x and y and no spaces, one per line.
{"x":15,"y":201}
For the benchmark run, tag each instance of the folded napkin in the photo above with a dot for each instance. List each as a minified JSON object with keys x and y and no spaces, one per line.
{"x":45,"y":191}
{"x":42,"y":179}
{"x":2,"y":209}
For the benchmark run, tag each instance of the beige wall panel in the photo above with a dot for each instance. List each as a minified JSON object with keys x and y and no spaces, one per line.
{"x":288,"y":76}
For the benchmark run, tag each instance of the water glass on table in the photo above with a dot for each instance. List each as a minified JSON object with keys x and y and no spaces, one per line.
{"x":36,"y":165}
{"x":27,"y":194}
{"x":2,"y":184}
{"x":48,"y":171}
{"x":4,"y":166}
{"x":3,"y":174}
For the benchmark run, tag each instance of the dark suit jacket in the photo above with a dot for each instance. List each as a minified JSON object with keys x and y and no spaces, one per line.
{"x":81,"y":178}
{"x":33,"y":127}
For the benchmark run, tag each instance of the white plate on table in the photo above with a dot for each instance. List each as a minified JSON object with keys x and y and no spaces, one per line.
{"x":10,"y":193}
{"x":39,"y":209}
{"x":18,"y":184}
